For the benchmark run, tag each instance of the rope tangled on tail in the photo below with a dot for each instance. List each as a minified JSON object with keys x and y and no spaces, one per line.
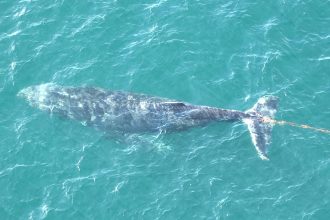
{"x":275,"y":122}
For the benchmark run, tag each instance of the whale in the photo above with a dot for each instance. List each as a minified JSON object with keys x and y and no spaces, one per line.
{"x":128,"y":112}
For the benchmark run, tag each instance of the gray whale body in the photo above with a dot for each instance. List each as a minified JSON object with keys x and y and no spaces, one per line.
{"x":131,"y":113}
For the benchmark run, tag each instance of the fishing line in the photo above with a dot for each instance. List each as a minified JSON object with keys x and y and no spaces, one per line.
{"x":292,"y":124}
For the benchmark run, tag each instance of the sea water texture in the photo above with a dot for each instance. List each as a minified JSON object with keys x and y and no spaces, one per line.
{"x":217,"y":53}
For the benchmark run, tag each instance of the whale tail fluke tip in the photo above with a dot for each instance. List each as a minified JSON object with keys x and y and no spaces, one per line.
{"x":260,"y":131}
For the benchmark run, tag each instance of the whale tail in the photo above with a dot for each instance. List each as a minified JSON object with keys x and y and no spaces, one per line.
{"x":260,"y":131}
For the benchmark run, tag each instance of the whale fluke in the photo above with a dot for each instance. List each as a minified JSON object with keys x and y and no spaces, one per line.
{"x":260,"y":132}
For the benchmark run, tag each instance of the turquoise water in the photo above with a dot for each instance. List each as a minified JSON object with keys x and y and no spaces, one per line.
{"x":218,"y":53}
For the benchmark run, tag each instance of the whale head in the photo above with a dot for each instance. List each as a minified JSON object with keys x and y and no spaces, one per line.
{"x":52,"y":98}
{"x":38,"y":96}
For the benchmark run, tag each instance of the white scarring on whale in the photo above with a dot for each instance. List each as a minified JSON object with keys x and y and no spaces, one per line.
{"x":132,"y":113}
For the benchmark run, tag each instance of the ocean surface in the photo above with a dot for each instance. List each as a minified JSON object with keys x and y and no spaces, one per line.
{"x":218,"y":53}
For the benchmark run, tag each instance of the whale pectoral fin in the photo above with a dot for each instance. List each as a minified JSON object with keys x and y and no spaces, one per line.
{"x":117,"y":136}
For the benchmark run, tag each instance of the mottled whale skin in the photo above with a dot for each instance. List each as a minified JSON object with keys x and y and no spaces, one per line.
{"x":131,"y":113}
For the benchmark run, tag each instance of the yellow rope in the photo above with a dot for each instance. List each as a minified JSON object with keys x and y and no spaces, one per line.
{"x":275,"y":122}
